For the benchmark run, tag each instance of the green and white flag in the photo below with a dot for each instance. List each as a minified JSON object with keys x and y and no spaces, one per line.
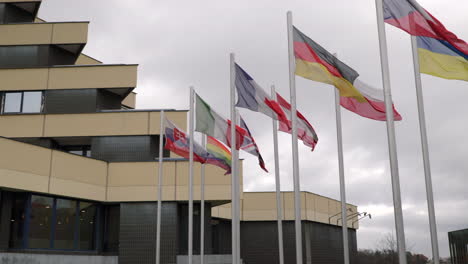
{"x":209,"y":122}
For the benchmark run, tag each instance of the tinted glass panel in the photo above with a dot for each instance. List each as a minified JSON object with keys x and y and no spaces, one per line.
{"x":17,"y":220}
{"x":87,"y":225}
{"x":40,"y":221}
{"x":32,"y":102}
{"x":65,"y":224}
{"x":12,"y":103}
{"x":20,"y":56}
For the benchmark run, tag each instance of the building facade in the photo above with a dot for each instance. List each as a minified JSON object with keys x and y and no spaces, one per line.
{"x":78,"y":177}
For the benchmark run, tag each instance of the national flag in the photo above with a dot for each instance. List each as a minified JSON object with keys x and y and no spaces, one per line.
{"x":212,"y":124}
{"x":253,"y":97}
{"x":218,"y":154}
{"x":250,"y":146}
{"x":315,"y":63}
{"x":305,"y":131}
{"x":411,"y":17}
{"x":179,"y":143}
{"x":438,"y":59}
{"x":441,"y":53}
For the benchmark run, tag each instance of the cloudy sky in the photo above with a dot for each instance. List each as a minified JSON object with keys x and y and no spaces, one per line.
{"x":182,"y":43}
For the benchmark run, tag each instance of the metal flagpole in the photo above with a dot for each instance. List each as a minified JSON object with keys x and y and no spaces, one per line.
{"x":190,"y":207}
{"x":279,"y":209}
{"x":238,"y":210}
{"x":295,"y":152}
{"x":160,"y":176}
{"x":234,"y":201}
{"x":425,"y":152}
{"x":202,"y":207}
{"x":399,"y":225}
{"x":344,"y":211}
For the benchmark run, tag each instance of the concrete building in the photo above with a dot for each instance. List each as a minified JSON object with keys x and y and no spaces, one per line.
{"x":78,"y":177}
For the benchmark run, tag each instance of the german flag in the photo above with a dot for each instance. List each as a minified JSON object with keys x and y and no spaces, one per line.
{"x":315,"y":63}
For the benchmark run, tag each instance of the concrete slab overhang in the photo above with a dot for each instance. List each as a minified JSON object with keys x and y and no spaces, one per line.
{"x":42,"y":170}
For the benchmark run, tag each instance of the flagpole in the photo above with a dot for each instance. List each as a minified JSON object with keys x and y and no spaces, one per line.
{"x":399,"y":225}
{"x":234,"y":201}
{"x":344,"y":211}
{"x":425,"y":152}
{"x":202,"y":207}
{"x":238,"y":209}
{"x":279,"y":209}
{"x":160,"y":176}
{"x":190,"y":207}
{"x":295,"y":152}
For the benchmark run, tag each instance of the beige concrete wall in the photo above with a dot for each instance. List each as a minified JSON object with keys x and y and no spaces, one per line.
{"x":44,"y":33}
{"x":102,"y":76}
{"x":84,"y":59}
{"x":92,"y":124}
{"x":24,"y":166}
{"x":79,"y":77}
{"x":261,"y":206}
{"x":103,"y":124}
{"x":130,"y":100}
{"x":32,"y":168}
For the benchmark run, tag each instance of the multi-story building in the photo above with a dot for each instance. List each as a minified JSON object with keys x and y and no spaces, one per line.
{"x":78,"y":177}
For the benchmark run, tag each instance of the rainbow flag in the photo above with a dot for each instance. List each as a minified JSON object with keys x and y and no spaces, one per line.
{"x":218,"y":154}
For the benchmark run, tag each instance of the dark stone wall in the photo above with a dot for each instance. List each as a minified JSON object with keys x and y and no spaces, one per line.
{"x":138,"y":233}
{"x":321,"y":243}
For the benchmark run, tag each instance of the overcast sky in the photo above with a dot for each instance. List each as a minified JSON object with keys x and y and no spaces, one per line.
{"x":182,"y":43}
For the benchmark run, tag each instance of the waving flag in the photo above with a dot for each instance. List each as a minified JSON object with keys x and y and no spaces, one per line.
{"x":179,"y":143}
{"x":315,"y":63}
{"x":218,"y":154}
{"x":250,"y":146}
{"x":441,"y":53}
{"x":253,"y":97}
{"x":305,"y":131}
{"x":212,"y":124}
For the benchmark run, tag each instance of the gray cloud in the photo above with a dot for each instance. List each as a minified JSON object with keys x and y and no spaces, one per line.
{"x":182,"y":43}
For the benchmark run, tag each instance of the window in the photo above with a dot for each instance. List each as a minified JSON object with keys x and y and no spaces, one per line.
{"x":22,"y":102}
{"x":18,"y":211}
{"x":65,"y":217}
{"x":87,"y":223}
{"x":42,"y":222}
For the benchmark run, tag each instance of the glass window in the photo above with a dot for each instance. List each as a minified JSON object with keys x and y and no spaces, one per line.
{"x":32,"y":102}
{"x":40,"y":221}
{"x":87,"y":225}
{"x":65,"y":224}
{"x":17,"y":220}
{"x":12,"y":103}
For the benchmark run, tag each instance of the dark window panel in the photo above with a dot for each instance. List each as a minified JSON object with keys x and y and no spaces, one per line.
{"x":40,"y":221}
{"x":65,"y":224}
{"x":111,"y":229}
{"x":70,"y":101}
{"x":17,"y":219}
{"x":124,"y":148}
{"x":108,"y":101}
{"x":87,"y":224}
{"x":15,"y":13}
